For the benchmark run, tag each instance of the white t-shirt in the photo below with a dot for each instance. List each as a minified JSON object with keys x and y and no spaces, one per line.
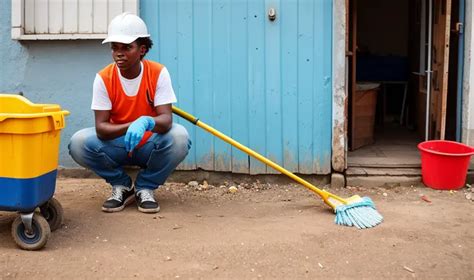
{"x":164,"y":90}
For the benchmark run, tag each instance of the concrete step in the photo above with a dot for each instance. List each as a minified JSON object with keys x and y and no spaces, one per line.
{"x":388,"y":177}
{"x":374,"y":162}
{"x":382,"y":176}
{"x":382,"y":171}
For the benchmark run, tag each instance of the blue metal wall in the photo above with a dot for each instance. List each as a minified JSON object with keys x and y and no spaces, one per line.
{"x":266,"y":84}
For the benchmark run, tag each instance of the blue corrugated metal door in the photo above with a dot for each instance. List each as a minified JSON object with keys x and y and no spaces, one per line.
{"x":267,"y":84}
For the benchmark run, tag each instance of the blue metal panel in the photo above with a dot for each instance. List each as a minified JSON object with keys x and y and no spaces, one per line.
{"x":202,"y":79}
{"x":267,"y":84}
{"x":273,"y":72}
{"x":221,"y":105}
{"x":289,"y":84}
{"x":239,"y":86}
{"x":322,"y":89}
{"x":183,"y":80}
{"x":256,"y":79}
{"x":305,"y":61}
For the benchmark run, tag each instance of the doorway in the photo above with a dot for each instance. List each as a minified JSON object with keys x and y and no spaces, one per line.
{"x":388,"y":62}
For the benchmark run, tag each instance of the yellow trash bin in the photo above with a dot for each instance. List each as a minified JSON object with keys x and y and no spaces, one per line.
{"x":29,"y":145}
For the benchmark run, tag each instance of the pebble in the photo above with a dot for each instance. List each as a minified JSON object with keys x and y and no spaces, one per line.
{"x":232,"y":189}
{"x":408,"y":269}
{"x":385,"y":194}
{"x":168,"y":258}
{"x":193,"y":184}
{"x":425,"y":198}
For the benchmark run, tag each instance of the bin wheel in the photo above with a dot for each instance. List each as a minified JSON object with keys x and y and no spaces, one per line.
{"x":53,"y":212}
{"x":34,"y":240}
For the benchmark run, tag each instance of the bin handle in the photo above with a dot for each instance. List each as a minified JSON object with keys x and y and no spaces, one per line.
{"x":57,"y":117}
{"x":58,"y":121}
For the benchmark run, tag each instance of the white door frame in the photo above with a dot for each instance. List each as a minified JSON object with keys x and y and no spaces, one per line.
{"x":339,"y":87}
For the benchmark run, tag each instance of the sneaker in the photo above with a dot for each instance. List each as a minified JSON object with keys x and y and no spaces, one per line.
{"x":121,"y":197}
{"x":146,"y":201}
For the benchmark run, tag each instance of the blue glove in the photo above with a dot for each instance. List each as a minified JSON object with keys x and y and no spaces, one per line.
{"x":136,"y":130}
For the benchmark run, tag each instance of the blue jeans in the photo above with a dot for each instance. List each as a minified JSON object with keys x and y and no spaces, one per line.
{"x":157,"y":158}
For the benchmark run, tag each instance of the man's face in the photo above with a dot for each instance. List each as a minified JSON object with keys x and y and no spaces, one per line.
{"x":127,"y":56}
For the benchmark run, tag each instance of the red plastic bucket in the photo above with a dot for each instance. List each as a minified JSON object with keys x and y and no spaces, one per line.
{"x":444,"y":164}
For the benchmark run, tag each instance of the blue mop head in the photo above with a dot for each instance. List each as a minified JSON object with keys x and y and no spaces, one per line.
{"x":361,"y":214}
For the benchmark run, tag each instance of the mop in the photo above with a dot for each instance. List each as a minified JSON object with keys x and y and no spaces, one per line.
{"x":354,"y":211}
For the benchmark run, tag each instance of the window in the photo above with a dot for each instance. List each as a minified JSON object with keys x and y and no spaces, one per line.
{"x":65,"y":19}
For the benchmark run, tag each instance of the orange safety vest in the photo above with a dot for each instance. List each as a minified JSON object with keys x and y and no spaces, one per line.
{"x":126,"y":108}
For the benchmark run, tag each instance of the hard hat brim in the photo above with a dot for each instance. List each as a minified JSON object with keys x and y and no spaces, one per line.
{"x":122,"y":39}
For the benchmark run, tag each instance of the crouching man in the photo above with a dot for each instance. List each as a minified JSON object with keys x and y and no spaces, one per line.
{"x":131,"y":101}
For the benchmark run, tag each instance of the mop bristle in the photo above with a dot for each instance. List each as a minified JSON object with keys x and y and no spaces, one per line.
{"x":361,"y":214}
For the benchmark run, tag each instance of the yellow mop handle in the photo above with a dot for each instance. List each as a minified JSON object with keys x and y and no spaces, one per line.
{"x":324,"y":194}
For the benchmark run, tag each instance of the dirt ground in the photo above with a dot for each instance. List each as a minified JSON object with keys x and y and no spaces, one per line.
{"x":261,"y":231}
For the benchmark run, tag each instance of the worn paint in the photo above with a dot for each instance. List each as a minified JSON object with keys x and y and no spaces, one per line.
{"x":339,"y":154}
{"x":339,"y":90}
{"x":289,"y":160}
{"x":267,"y":84}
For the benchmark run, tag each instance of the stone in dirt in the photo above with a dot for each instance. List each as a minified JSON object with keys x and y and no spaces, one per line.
{"x":193,"y":184}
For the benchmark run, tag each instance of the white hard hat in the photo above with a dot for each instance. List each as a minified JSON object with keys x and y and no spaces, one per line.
{"x":126,"y":28}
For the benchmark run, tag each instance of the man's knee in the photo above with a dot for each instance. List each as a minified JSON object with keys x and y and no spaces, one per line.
{"x":180,"y":139}
{"x":78,"y":143}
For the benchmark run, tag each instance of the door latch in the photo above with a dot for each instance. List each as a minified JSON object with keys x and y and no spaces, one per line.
{"x":271,"y":14}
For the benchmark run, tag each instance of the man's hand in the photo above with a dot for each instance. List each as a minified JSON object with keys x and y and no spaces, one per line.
{"x":136,"y":130}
